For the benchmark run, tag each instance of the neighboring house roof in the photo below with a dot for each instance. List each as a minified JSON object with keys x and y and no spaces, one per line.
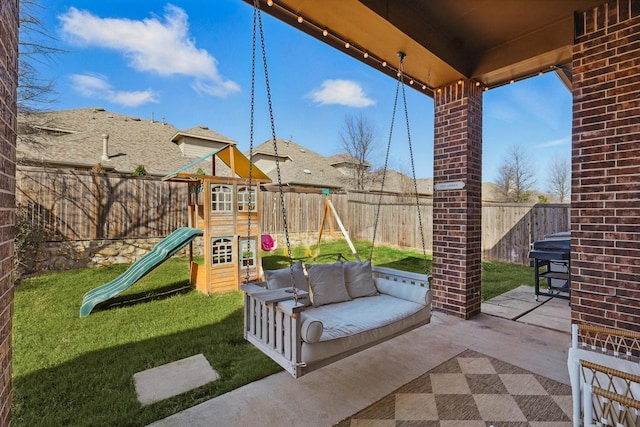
{"x":397,"y":182}
{"x":490,"y":192}
{"x":74,"y":138}
{"x":345,"y":159}
{"x":299,"y":166}
{"x":202,"y":132}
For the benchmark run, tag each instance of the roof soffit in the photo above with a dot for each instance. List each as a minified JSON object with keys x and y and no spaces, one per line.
{"x":492,"y":41}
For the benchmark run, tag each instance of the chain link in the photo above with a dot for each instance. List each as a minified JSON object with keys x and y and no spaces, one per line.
{"x":384,"y":170}
{"x":413,"y":170}
{"x":251,"y":126}
{"x":258,"y":17}
{"x":400,"y":84}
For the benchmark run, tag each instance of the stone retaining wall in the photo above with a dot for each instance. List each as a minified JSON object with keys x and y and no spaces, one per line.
{"x":69,"y":255}
{"x":59,"y":256}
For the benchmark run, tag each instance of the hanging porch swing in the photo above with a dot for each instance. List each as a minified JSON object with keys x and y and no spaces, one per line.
{"x":306,"y":317}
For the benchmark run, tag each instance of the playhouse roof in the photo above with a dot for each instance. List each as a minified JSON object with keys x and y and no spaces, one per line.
{"x":230,"y":156}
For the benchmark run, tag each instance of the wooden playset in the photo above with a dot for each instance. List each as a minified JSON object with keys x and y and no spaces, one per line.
{"x":226,"y":208}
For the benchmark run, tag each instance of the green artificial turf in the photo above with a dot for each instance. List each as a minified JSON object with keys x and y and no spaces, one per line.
{"x":76,"y":371}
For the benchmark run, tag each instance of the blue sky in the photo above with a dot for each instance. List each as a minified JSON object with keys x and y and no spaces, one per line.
{"x":189,"y":62}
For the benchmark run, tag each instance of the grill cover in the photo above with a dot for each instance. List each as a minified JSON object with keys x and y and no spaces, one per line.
{"x":556,"y":246}
{"x":554,"y":242}
{"x":552,"y":245}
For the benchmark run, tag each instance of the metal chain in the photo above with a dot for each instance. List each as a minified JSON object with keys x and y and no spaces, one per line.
{"x":251,"y":126}
{"x":413,"y":169}
{"x":384,"y":170}
{"x":400,"y":84}
{"x":256,"y":4}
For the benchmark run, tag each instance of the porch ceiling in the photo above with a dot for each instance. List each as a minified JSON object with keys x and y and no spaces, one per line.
{"x":490,"y":41}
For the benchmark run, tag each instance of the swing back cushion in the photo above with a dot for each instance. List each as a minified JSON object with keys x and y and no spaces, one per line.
{"x":282,"y":278}
{"x":327,"y":284}
{"x":358,"y":279}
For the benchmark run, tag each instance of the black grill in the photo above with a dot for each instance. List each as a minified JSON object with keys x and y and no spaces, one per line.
{"x":552,"y":262}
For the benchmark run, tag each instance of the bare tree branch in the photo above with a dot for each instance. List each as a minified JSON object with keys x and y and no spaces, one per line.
{"x":357,"y":137}
{"x":36,"y":46}
{"x":559,"y":180}
{"x":516,"y":176}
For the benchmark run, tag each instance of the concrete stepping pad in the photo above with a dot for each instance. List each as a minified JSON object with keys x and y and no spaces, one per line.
{"x":174,"y":378}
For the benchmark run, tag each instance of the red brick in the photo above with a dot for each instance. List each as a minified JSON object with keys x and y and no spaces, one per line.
{"x":457,"y":215}
{"x":605,"y":253}
{"x":8,"y":67}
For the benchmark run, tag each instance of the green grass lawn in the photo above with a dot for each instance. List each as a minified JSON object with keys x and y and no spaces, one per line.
{"x":76,"y":371}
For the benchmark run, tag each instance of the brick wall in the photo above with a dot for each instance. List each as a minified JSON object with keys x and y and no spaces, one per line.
{"x":605,"y":211}
{"x":457,"y":213}
{"x":8,"y":84}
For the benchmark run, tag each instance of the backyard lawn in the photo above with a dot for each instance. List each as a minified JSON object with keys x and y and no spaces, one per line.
{"x":76,"y":371}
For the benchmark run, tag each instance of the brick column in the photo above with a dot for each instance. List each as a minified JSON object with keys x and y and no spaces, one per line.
{"x":8,"y":126}
{"x":457,"y":212}
{"x":605,"y":185}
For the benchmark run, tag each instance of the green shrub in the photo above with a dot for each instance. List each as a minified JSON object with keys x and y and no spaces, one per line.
{"x":140,"y":171}
{"x":29,"y":236}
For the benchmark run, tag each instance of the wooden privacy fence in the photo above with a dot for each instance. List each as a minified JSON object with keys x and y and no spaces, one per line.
{"x":398,"y":223}
{"x":78,"y":205}
{"x":508,"y":229}
{"x":81,"y":205}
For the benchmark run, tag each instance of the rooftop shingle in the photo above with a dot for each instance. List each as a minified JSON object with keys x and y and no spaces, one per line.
{"x":75,"y":137}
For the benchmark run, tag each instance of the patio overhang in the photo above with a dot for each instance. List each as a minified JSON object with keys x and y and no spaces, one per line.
{"x":492,"y":42}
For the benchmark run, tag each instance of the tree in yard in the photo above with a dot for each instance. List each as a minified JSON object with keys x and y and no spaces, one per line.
{"x":36,"y":46}
{"x":559,"y":180}
{"x":516,"y":177}
{"x":357,"y":137}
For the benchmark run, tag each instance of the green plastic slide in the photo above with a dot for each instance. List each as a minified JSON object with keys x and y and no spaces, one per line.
{"x":164,"y":250}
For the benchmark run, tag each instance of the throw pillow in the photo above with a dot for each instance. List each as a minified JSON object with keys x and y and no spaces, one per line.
{"x":327,"y":284}
{"x":359,"y":279}
{"x":282,"y":278}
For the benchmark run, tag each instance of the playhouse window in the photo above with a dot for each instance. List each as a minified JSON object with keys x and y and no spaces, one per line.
{"x":247,"y":253}
{"x":247,"y":197}
{"x":221,"y":200}
{"x":221,"y":250}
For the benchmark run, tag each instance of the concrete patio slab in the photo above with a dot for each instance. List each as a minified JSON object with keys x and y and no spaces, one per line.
{"x":520,"y":305}
{"x":328,"y":395}
{"x":553,"y":314}
{"x":513,"y":304}
{"x":169,"y":380}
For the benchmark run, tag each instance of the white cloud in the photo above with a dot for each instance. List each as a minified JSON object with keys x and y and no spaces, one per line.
{"x":341,"y":92}
{"x":155,"y":45}
{"x":220,"y":89}
{"x":555,"y":142}
{"x":501,"y":110}
{"x":535,"y":103}
{"x":97,"y":86}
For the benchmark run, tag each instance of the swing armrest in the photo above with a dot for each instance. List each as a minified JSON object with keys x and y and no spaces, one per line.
{"x":310,"y":328}
{"x":290,"y":308}
{"x":404,"y":290}
{"x":251,"y":288}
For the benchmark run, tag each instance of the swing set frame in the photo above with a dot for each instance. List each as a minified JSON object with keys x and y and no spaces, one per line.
{"x":329,"y":216}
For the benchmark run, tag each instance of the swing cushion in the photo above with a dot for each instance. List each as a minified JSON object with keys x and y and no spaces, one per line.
{"x":327,"y":284}
{"x":281,"y":278}
{"x":358,"y":278}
